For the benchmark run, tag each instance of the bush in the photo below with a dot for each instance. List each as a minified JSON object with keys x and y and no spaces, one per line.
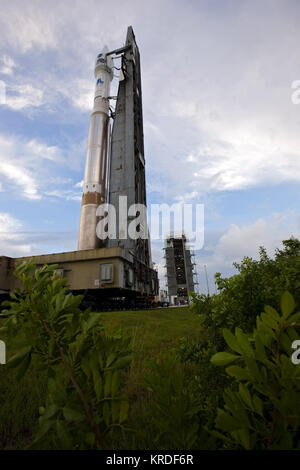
{"x":262,"y":406}
{"x":174,"y":405}
{"x":243,"y":296}
{"x":83,"y":362}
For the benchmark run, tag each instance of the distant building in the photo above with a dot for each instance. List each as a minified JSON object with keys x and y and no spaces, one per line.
{"x":180,"y":268}
{"x":163,"y":297}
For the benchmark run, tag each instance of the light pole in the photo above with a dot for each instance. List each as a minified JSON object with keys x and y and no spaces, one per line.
{"x":206,"y":279}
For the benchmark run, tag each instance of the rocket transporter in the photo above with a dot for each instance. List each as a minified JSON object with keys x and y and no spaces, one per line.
{"x":112,"y":268}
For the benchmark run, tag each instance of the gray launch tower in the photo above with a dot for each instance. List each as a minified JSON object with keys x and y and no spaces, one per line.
{"x":180,"y":268}
{"x":127,"y":164}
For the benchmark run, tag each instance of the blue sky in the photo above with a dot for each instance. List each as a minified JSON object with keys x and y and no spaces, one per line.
{"x":219,"y":124}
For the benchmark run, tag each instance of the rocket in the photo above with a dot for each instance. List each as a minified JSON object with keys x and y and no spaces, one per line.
{"x":95,"y":176}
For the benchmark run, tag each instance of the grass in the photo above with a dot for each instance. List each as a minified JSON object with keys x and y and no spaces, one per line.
{"x":19,"y":405}
{"x":152,"y":332}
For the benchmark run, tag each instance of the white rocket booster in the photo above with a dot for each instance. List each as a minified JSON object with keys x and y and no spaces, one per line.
{"x":95,"y":176}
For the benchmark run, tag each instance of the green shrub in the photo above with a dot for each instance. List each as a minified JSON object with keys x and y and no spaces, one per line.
{"x":84,"y":363}
{"x":173,"y":405}
{"x":262,"y":406}
{"x":243,"y":296}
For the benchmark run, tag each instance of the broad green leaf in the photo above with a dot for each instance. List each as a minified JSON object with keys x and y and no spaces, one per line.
{"x":269,"y":321}
{"x":57,"y":391}
{"x":100,"y":359}
{"x":72,"y":415}
{"x":269,"y":333}
{"x":18,"y":358}
{"x":253,"y":368}
{"x":285,"y":342}
{"x":294,"y":318}
{"x":115,"y":410}
{"x":98,"y":386}
{"x":192,"y":435}
{"x":106,"y":413}
{"x":23,"y":366}
{"x":258,"y":405}
{"x":238,"y":372}
{"x":244,"y":342}
{"x":231,"y":341}
{"x":64,"y":436}
{"x":122,"y":362}
{"x":111,"y":357}
{"x":44,"y":428}
{"x":124,"y":406}
{"x":115,"y":382}
{"x":260,"y":352}
{"x":107,"y":383}
{"x":272,"y":312}
{"x":85,"y":366}
{"x":91,"y":322}
{"x":90,"y":438}
{"x":51,"y":346}
{"x":287,"y":304}
{"x":226,"y":422}
{"x":245,"y":394}
{"x":50,"y":411}
{"x":223,"y":358}
{"x":244,"y":438}
{"x":293,"y":334}
{"x":59,"y":299}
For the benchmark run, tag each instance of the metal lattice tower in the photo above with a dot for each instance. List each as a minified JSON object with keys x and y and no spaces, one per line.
{"x":179,"y":266}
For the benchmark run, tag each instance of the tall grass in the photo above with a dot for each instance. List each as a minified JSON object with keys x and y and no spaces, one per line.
{"x":19,"y":404}
{"x":153,"y":333}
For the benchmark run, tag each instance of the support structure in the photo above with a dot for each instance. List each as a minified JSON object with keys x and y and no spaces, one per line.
{"x":127,"y":163}
{"x":179,"y":265}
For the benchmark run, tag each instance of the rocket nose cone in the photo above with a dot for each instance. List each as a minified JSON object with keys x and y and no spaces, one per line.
{"x":101,"y":57}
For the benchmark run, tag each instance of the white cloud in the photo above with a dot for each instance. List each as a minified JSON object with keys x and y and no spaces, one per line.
{"x":225,"y":117}
{"x":25,"y":25}
{"x":15,"y":241}
{"x":244,"y":158}
{"x":67,"y":195}
{"x":21,"y":177}
{"x":7,"y":65}
{"x":24,"y":96}
{"x":8,"y":223}
{"x":12,"y":242}
{"x":79,"y":91}
{"x":22,"y":168}
{"x":239,"y":241}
